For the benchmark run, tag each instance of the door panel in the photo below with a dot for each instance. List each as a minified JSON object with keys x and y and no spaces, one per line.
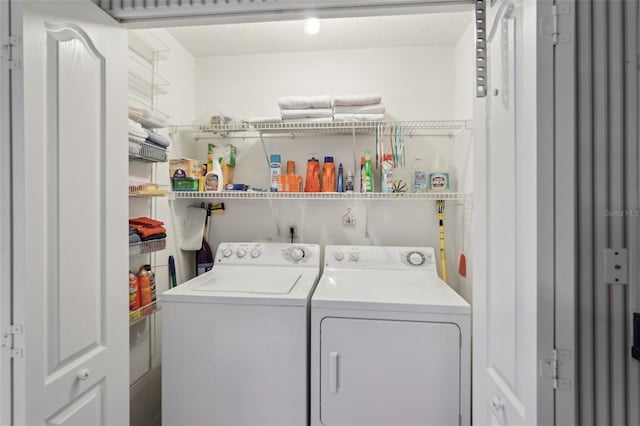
{"x":381,"y":372}
{"x":70,"y":210}
{"x":504,"y":296}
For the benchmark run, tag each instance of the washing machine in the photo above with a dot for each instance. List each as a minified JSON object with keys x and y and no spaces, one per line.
{"x":235,"y":340}
{"x":390,"y":341}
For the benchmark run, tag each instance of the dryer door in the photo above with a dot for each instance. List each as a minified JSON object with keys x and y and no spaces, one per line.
{"x":382,"y":372}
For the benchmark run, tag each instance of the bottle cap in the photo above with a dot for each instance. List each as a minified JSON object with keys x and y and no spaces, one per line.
{"x":350,"y":173}
{"x":313,"y":157}
{"x":328,"y":159}
{"x":275,"y":158}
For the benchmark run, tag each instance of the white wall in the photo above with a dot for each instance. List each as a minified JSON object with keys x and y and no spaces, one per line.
{"x":145,"y":336}
{"x":415,"y":83}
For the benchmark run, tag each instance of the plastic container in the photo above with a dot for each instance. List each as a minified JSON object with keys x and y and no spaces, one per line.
{"x":144,"y":278}
{"x":275,"y":169}
{"x":328,"y":175}
{"x":362,"y":161}
{"x":386,"y":184}
{"x":368,"y":172}
{"x":134,"y":292}
{"x":185,"y":184}
{"x":312,"y":182}
{"x":213,"y":181}
{"x":348,"y":182}
{"x":340,"y":185}
{"x":439,"y":177}
{"x":419,"y":175}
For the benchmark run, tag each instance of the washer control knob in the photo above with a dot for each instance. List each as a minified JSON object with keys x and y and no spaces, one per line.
{"x":296,"y":254}
{"x":416,"y":258}
{"x":339,"y":256}
{"x":227,"y":252}
{"x":241,"y":253}
{"x":354,"y":256}
{"x":255,"y":253}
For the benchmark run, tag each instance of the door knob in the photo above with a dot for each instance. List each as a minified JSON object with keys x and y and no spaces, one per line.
{"x":497,"y":403}
{"x":83,"y":374}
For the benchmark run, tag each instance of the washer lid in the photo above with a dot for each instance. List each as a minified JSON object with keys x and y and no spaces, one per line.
{"x":387,"y":290}
{"x":279,"y":283}
{"x":247,"y":285}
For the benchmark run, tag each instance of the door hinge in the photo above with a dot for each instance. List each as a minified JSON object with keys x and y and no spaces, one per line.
{"x":7,"y":53}
{"x":615,"y":266}
{"x":8,"y":340}
{"x":550,"y":368}
{"x":553,"y":27}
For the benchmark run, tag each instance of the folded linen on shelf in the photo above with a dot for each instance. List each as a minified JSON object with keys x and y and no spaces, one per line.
{"x":288,"y":114}
{"x":158,"y":139}
{"x":265,"y":120}
{"x":301,"y":102}
{"x":355,"y":100}
{"x":358,"y":117}
{"x":362,"y":109}
{"x":149,"y":119}
{"x":154,"y":237}
{"x":138,"y":139}
{"x":134,"y":238}
{"x":309,"y":120}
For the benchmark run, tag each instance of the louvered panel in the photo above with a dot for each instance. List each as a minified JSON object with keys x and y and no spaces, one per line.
{"x":245,"y":10}
{"x":607,"y":180}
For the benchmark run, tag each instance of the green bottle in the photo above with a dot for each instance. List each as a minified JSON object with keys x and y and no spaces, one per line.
{"x":368,"y":172}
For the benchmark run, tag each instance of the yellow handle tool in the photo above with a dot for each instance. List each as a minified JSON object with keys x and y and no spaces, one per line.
{"x":443,"y":255}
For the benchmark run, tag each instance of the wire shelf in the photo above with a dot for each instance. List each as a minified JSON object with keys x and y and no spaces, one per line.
{"x":147,"y":189}
{"x":147,"y":152}
{"x":143,"y":312}
{"x":249,"y":195}
{"x":147,"y":247}
{"x":310,"y":128}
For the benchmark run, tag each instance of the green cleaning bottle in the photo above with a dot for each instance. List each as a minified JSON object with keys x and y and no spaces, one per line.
{"x":368,"y":172}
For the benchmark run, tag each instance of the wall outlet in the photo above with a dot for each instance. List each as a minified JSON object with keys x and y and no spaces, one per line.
{"x":293,"y":231}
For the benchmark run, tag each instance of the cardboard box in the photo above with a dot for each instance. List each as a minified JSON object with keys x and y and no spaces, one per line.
{"x":186,"y":168}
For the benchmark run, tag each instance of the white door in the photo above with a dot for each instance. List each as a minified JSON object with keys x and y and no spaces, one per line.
{"x":505,"y":282}
{"x":382,"y":372}
{"x":69,"y":215}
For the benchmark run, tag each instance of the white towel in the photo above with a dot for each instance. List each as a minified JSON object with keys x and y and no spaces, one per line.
{"x":358,"y":117}
{"x":364,"y":109}
{"x":288,"y":114}
{"x":301,"y":102}
{"x":309,"y":120}
{"x":354,"y":100}
{"x":265,"y":120}
{"x":149,"y":119}
{"x":136,"y":139}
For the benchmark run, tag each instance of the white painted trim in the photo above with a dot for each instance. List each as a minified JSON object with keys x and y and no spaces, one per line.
{"x":5,"y":219}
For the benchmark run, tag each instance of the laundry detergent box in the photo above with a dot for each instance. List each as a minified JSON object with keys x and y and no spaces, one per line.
{"x":186,"y":168}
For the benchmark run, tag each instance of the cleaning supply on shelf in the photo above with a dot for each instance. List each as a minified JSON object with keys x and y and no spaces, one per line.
{"x":134,"y":292}
{"x":291,"y":182}
{"x":328,"y":175}
{"x":275,"y":169}
{"x":204,"y":256}
{"x":348,"y":182}
{"x":152,"y":276}
{"x":368,"y":172}
{"x":213,"y":179}
{"x":419,"y":175}
{"x":340,"y":185}
{"x":312,"y":182}
{"x":172,"y":273}
{"x":362,"y":161}
{"x":386,"y":184}
{"x":144,"y":278}
{"x":443,"y":254}
{"x":439,"y":177}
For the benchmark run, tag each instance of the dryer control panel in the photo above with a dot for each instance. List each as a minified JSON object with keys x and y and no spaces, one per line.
{"x":268,"y":254}
{"x":380,"y":257}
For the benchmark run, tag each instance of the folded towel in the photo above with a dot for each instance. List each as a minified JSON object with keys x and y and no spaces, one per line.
{"x":310,"y":120}
{"x":364,"y":109}
{"x":136,"y":139}
{"x":159,"y":139}
{"x":134,"y":238}
{"x":132,"y":230}
{"x":134,"y":125}
{"x":143,"y":220}
{"x":154,"y":237}
{"x":150,"y":119}
{"x":265,"y":120}
{"x":300,"y":102}
{"x":288,"y":114}
{"x":146,"y":232}
{"x":355,"y":100}
{"x":358,"y":117}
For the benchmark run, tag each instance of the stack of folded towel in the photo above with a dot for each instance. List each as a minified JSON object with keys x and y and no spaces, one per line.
{"x":158,"y":140}
{"x":305,"y":108}
{"x":149,"y":119}
{"x":366,"y":107}
{"x":136,"y":132}
{"x":146,"y":229}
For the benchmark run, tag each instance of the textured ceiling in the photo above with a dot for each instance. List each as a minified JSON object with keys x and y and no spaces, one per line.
{"x":343,"y":33}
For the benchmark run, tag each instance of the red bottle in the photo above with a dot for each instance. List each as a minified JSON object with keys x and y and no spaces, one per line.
{"x":312,"y":184}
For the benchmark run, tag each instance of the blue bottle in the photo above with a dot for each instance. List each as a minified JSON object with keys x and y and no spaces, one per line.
{"x":340,"y":179}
